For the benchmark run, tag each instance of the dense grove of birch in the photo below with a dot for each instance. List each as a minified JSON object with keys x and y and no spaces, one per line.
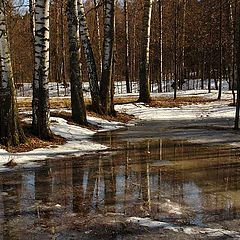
{"x":141,"y":41}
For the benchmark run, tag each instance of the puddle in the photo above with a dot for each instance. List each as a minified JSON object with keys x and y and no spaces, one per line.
{"x":166,"y":180}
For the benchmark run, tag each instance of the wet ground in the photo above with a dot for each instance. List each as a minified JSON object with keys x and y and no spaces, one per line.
{"x":144,"y":174}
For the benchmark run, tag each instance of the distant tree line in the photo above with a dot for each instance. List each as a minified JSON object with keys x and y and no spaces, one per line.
{"x":101,"y":41}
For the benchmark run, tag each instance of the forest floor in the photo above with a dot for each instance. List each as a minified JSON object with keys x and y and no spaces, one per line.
{"x":195,"y":115}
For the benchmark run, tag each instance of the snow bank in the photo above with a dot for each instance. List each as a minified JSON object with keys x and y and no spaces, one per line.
{"x":78,"y":142}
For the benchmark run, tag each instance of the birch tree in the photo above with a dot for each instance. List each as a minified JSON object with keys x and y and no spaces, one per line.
{"x":11,"y":132}
{"x":41,"y":109}
{"x":91,"y":64}
{"x":160,"y":12}
{"x":144,"y":94}
{"x":77,"y":101}
{"x":127,"y":49}
{"x":96,"y":5}
{"x":108,"y":42}
{"x":237,"y":42}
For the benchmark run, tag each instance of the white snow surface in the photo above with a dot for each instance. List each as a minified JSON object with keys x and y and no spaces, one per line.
{"x":78,"y":142}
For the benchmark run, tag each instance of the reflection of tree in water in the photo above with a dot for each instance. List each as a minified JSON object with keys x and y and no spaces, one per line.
{"x":109,"y":176}
{"x":11,"y":184}
{"x":78,"y":192}
{"x":85,"y":186}
{"x":43,"y":190}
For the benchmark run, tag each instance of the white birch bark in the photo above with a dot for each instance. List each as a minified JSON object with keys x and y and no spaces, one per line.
{"x":88,"y":51}
{"x":127,"y":48}
{"x":41,"y":77}
{"x":96,"y":5}
{"x":144,"y":94}
{"x":105,"y":86}
{"x":6,"y":69}
{"x":160,"y":2}
{"x":232,"y":66}
{"x":10,"y":131}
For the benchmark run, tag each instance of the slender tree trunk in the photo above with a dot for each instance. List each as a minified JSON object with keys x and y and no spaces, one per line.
{"x":232,"y":66}
{"x":105,"y":86}
{"x":90,"y":59}
{"x":98,"y":34}
{"x":41,"y":78}
{"x":236,"y":125}
{"x":160,"y":12}
{"x":77,"y":101}
{"x":34,"y":83}
{"x":127,"y":56}
{"x":63,"y":59}
{"x":144,"y":82}
{"x":183,"y":44}
{"x":11,"y":133}
{"x":175,"y":48}
{"x":220,"y":53}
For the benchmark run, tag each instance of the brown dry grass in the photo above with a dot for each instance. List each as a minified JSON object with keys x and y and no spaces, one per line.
{"x":180,"y":101}
{"x":56,"y":103}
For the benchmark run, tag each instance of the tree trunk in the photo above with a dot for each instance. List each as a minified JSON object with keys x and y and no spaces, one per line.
{"x":105,"y":86}
{"x":127,"y":57}
{"x":41,"y":76}
{"x":11,"y":133}
{"x":220,"y":51}
{"x":182,"y":75}
{"x":96,"y":5}
{"x":232,"y":64}
{"x":160,"y":12}
{"x":34,"y":85}
{"x":77,"y":101}
{"x":175,"y":48}
{"x":91,"y":64}
{"x":144,"y":94}
{"x":236,"y":125}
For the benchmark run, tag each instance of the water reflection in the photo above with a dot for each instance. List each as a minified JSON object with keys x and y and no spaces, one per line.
{"x":167,"y":180}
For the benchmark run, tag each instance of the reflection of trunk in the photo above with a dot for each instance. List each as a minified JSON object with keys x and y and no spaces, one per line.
{"x":10,"y":130}
{"x":11,"y":205}
{"x":77,"y":184}
{"x":43,"y":189}
{"x":108,"y":43}
{"x":88,"y":51}
{"x":110,"y":184}
{"x":145,"y":184}
{"x":77,"y":101}
{"x":91,"y":183}
{"x":127,"y":57}
{"x":144,"y":94}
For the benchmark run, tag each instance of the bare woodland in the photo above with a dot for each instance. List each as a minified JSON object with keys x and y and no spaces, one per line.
{"x":101,"y":41}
